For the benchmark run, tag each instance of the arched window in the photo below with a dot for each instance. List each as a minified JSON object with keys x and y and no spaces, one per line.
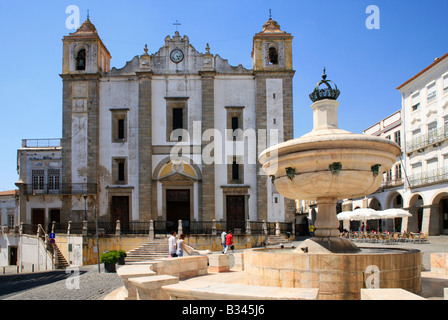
{"x":273,"y":56}
{"x":81,"y":60}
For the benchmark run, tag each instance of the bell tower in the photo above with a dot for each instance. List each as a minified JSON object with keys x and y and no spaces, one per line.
{"x":85,"y":60}
{"x":272,"y":48}
{"x":273,"y":71}
{"x":84,"y":52}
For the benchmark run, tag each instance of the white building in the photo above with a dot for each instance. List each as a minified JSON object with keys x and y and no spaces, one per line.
{"x":121,"y":126}
{"x":8,"y":227}
{"x":422,"y":186}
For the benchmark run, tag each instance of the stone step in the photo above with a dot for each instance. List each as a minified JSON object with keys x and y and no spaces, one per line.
{"x":155,"y":248}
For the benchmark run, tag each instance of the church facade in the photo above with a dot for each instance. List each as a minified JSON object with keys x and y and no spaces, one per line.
{"x":171,"y":135}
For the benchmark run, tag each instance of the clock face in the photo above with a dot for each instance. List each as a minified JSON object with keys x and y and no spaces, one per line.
{"x":177,"y":56}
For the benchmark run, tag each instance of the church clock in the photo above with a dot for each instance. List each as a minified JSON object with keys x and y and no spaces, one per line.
{"x":177,"y":56}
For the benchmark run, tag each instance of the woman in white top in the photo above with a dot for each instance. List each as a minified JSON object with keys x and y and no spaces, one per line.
{"x":181,"y":246}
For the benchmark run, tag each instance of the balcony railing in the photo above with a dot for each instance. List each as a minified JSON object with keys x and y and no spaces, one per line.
{"x":88,"y":228}
{"x":60,"y":188}
{"x":428,"y":139}
{"x":41,"y":143}
{"x":429,"y":177}
{"x":392,"y":183}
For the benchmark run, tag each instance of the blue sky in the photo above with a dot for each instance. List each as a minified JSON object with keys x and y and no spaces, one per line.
{"x":367,"y":65}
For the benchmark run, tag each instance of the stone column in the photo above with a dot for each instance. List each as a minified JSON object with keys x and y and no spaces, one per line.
{"x":327,"y":233}
{"x":277,"y":228}
{"x":327,"y":223}
{"x":261,"y":120}
{"x":145,"y":145}
{"x":207,"y":211}
{"x":179,"y":227}
{"x":214,"y":227}
{"x":431,"y":223}
{"x":151,"y":229}
{"x":118,"y":228}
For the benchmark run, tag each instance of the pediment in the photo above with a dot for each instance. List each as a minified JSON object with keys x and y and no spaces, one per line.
{"x":177,"y":177}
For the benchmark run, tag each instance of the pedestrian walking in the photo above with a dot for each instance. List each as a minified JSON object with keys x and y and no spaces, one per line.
{"x":223,"y":240}
{"x":229,"y":241}
{"x":172,"y":244}
{"x":181,"y":246}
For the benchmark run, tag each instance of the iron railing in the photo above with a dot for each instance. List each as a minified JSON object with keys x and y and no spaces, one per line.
{"x":41,"y":143}
{"x":429,"y":177}
{"x":430,"y":138}
{"x":158,"y":227}
{"x":60,"y":188}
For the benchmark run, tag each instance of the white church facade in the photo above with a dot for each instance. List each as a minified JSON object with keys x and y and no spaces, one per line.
{"x":171,"y":135}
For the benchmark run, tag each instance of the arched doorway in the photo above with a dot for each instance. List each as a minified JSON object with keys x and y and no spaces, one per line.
{"x":177,"y":193}
{"x":395,"y":200}
{"x":355,"y":225}
{"x":374,"y":224}
{"x":416,"y":209}
{"x":438,"y":222}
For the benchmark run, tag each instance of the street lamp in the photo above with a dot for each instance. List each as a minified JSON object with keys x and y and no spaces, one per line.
{"x":85,"y":207}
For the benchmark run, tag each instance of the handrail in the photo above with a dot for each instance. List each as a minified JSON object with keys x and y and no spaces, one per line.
{"x":47,"y":244}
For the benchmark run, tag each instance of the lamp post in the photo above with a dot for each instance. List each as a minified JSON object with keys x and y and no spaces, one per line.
{"x":85,"y":207}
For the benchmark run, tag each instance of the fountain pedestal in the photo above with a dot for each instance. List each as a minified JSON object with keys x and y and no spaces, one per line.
{"x":327,"y":238}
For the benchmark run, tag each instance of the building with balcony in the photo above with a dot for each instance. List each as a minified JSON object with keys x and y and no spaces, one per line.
{"x":418,"y":182}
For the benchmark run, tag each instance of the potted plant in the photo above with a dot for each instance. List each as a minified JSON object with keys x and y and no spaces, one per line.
{"x":121,"y":255}
{"x":109,"y":259}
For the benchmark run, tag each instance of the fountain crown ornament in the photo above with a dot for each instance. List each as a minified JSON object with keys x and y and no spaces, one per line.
{"x":327,"y":92}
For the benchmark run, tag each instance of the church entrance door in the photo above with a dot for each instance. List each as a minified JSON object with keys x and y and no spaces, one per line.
{"x":119,"y":210}
{"x":235,"y":213}
{"x":178,"y":208}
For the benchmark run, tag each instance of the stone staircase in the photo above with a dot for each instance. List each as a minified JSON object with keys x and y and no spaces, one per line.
{"x":155,"y":249}
{"x":277,"y":240}
{"x":61,"y":262}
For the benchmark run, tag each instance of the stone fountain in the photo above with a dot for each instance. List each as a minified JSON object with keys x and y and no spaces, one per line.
{"x":326,"y":165}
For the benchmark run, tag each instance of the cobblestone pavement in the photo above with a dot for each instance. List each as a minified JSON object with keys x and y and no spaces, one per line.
{"x":84,"y":283}
{"x":87,"y":284}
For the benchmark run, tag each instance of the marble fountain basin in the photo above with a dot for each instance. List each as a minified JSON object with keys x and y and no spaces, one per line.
{"x":363,"y":159}
{"x":337,"y":276}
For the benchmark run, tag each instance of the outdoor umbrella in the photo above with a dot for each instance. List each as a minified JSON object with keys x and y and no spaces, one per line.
{"x":345,"y":215}
{"x":394,"y":213}
{"x":366,"y":214}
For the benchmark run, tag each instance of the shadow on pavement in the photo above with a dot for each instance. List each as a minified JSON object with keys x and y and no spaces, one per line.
{"x":14,"y":283}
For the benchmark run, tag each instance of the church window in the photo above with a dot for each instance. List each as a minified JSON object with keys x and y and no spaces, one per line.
{"x":273,"y":55}
{"x":177,"y":118}
{"x":119,"y":170}
{"x":119,"y":125}
{"x":121,"y":129}
{"x":81,"y":60}
{"x":235,"y":170}
{"x":234,"y":123}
